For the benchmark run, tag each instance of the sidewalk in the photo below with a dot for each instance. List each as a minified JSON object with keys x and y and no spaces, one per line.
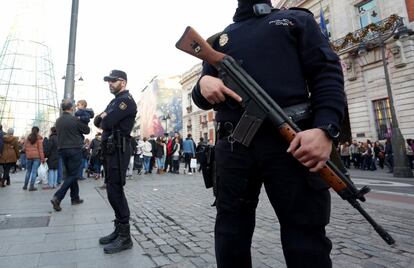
{"x":368,"y":174}
{"x":32,"y":234}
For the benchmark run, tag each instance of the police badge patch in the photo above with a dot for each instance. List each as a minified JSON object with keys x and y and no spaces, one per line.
{"x":123,"y":106}
{"x":224,"y":38}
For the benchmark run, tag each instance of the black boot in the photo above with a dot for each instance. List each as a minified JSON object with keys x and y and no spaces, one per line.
{"x":122,"y":242}
{"x":111,"y":237}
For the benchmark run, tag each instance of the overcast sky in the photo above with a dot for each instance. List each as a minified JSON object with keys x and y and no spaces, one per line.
{"x":131,"y":35}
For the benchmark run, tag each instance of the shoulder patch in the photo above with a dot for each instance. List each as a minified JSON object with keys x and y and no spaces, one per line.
{"x":301,"y":9}
{"x":212,"y":39}
{"x":123,"y":106}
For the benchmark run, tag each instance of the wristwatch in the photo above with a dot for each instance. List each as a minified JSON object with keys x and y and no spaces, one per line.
{"x":331,"y":131}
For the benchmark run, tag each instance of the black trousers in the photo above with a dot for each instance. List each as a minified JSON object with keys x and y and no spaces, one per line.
{"x":114,"y":184}
{"x":300,"y":199}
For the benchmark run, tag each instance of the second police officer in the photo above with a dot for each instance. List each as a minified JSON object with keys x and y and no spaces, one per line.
{"x":286,"y":53}
{"x":117,"y":122}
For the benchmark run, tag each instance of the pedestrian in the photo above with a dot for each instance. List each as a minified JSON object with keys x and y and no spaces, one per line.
{"x":22,"y":152}
{"x":345,"y":154}
{"x":52,"y":155}
{"x":138,"y":159}
{"x":154,"y":150}
{"x":95,"y":152}
{"x":35,"y":155}
{"x":1,"y":147}
{"x":147,"y":154}
{"x":134,"y":146}
{"x":176,"y":155}
{"x":117,"y":122}
{"x":409,"y":151}
{"x":70,"y":138}
{"x":389,"y":155}
{"x":286,"y":53}
{"x":189,"y":152}
{"x":9,"y":156}
{"x":85,"y":158}
{"x":168,"y":158}
{"x":354,"y":151}
{"x":159,"y":154}
{"x":1,"y":138}
{"x":200,"y":152}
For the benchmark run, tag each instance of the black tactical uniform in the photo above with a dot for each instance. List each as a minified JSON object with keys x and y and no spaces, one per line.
{"x":116,"y":143}
{"x":288,"y":56}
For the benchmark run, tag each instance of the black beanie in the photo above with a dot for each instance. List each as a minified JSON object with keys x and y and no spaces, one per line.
{"x":245,"y":9}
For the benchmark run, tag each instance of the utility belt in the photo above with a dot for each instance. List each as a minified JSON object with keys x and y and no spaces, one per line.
{"x":114,"y":143}
{"x":296,"y":113}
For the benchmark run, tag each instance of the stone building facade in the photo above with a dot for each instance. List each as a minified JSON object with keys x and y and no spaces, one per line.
{"x":356,"y":28}
{"x":197,"y":122}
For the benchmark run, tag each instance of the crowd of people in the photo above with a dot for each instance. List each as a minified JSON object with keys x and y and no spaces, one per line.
{"x":368,"y":155}
{"x":36,"y":154}
{"x":165,"y":153}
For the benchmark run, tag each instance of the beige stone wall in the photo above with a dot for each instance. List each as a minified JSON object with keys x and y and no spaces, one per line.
{"x":197,"y":130}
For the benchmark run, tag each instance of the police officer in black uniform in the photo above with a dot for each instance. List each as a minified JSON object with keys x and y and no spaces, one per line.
{"x":117,"y":122}
{"x":286,"y":53}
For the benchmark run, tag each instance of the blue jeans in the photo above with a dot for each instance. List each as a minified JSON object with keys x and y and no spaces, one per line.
{"x":60,"y":171}
{"x":31,"y":171}
{"x":71,"y":159}
{"x":160,"y":163}
{"x":147,"y":160}
{"x":52,"y":177}
{"x":84,"y":164}
{"x":23,"y":160}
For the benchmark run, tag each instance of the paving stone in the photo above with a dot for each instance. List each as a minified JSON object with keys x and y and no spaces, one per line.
{"x":147,"y":244}
{"x":175,"y":257}
{"x":159,"y":241}
{"x":167,"y":249}
{"x":161,"y":260}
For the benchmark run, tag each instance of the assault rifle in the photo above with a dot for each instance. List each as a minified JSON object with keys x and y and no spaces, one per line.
{"x":258,"y":105}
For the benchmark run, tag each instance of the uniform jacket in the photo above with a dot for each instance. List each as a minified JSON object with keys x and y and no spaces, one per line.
{"x":34,"y":151}
{"x":121,"y":112}
{"x":287,"y":55}
{"x":10,"y":152}
{"x":70,"y":131}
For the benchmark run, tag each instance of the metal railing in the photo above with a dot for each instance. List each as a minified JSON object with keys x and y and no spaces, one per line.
{"x":368,"y":34}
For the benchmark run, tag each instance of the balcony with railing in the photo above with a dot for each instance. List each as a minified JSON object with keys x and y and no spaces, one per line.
{"x":368,"y":35}
{"x":203,"y":124}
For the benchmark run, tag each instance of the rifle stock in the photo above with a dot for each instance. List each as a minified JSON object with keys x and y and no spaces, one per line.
{"x":244,"y":85}
{"x":192,"y":43}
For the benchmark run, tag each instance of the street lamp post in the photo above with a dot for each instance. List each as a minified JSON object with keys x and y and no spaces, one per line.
{"x":70,"y":68}
{"x":401,"y":166}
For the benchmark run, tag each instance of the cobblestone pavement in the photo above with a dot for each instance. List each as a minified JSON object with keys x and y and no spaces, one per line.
{"x":174,"y":225}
